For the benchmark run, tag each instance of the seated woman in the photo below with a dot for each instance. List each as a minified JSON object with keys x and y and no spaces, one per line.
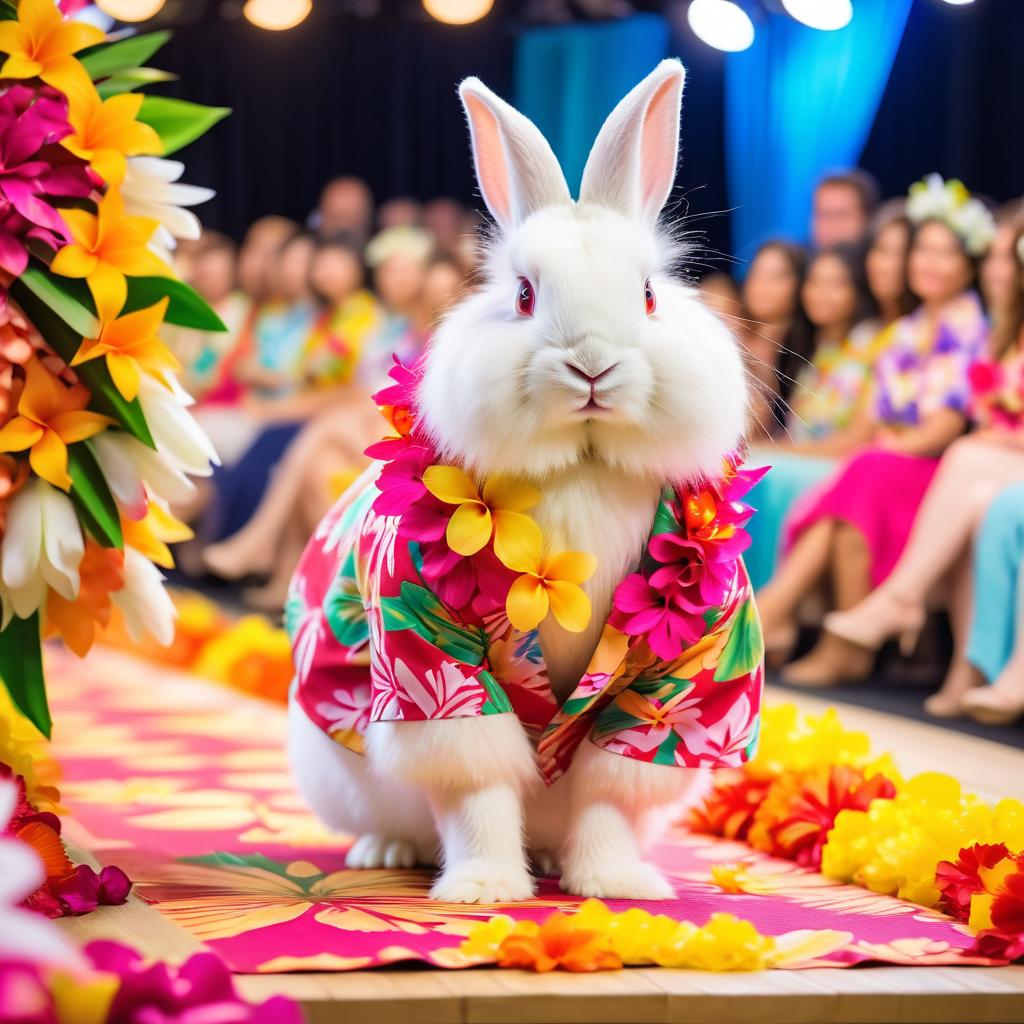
{"x":849,"y":531}
{"x":823,"y":421}
{"x":995,"y":645}
{"x":328,"y":452}
{"x":972,"y":472}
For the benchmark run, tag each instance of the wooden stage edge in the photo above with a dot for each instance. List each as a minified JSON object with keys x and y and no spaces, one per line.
{"x":865,"y":995}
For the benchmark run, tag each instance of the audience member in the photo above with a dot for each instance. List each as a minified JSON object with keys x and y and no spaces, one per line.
{"x":400,"y":212}
{"x":842,"y":207}
{"x":345,"y":208}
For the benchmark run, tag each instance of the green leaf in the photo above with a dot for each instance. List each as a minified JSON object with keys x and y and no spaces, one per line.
{"x":68,"y":298}
{"x":92,"y":498}
{"x":745,"y":647}
{"x":21,"y":669}
{"x":124,"y":55}
{"x":179,"y":122}
{"x":346,"y":614}
{"x":497,"y":702}
{"x":129,"y":81}
{"x":186,"y":308}
{"x":664,"y":519}
{"x":419,"y":610}
{"x":93,"y":374}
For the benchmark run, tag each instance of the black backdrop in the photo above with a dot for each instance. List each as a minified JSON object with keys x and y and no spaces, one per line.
{"x":377,"y":98}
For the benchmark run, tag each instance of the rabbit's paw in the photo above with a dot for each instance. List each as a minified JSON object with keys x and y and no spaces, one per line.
{"x":477,"y":881}
{"x":379,"y":851}
{"x":616,"y":880}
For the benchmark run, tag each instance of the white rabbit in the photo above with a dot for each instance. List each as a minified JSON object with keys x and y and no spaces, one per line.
{"x":598,"y":400}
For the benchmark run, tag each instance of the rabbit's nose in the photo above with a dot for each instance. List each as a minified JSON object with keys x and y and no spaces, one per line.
{"x":591,"y":378}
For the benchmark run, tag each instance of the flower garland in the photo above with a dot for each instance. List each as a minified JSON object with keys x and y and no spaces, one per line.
{"x":481,"y":547}
{"x":968,"y":218}
{"x":95,"y":436}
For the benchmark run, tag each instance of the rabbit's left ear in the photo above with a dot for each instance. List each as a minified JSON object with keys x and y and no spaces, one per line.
{"x":632,"y":165}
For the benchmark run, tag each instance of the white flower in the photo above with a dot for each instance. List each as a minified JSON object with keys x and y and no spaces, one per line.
{"x":146,"y":605}
{"x":177,"y":435}
{"x":951,"y":203}
{"x":24,"y":934}
{"x":130,"y":467}
{"x":42,"y":546}
{"x":151,"y":189}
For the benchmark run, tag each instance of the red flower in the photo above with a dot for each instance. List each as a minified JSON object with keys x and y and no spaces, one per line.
{"x":995,"y":945}
{"x":729,"y":808}
{"x":957,"y":882}
{"x":1008,"y":906}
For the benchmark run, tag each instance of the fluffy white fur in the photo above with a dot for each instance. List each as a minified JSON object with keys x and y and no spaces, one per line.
{"x":507,"y":394}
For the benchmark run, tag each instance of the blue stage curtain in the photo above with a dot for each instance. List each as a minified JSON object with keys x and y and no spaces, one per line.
{"x":568,"y":78}
{"x":801,"y":102}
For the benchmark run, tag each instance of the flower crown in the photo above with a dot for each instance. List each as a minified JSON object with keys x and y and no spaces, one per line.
{"x":950,"y":202}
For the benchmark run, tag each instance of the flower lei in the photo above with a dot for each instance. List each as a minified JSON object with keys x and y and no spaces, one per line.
{"x":480,"y":547}
{"x":968,"y":218}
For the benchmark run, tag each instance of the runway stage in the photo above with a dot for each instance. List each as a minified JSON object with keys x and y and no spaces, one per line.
{"x":135,"y":741}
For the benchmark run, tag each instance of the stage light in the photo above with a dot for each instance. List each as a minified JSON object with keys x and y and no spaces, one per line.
{"x":457,"y":12}
{"x":276,"y":15}
{"x":959,"y":3}
{"x":130,"y":10}
{"x":827,"y":15}
{"x":721,"y":24}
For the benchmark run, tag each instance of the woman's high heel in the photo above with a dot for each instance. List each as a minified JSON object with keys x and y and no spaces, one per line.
{"x":987,"y":705}
{"x":878,"y":618}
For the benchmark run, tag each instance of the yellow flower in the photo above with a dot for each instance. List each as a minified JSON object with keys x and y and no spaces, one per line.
{"x":41,"y":43}
{"x":24,"y":750}
{"x":108,"y":245}
{"x":131,"y":348}
{"x":484,"y":940}
{"x":152,"y":534}
{"x":726,"y":943}
{"x":251,"y":656}
{"x":550,"y":582}
{"x":83,"y":999}
{"x":497,"y":512}
{"x":50,"y":417}
{"x":730,"y":878}
{"x":105,"y":132}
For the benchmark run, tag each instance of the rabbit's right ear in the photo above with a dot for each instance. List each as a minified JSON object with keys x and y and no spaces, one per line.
{"x":516,"y":169}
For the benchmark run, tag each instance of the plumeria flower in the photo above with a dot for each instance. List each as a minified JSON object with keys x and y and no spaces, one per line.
{"x":177,"y":435}
{"x":50,"y":417}
{"x":105,"y":132}
{"x":496,"y":511}
{"x":131,"y":348}
{"x":41,"y":43}
{"x":42,"y":547}
{"x":151,"y":189}
{"x":107,"y":246}
{"x":550,"y":583}
{"x":144,"y":601}
{"x":24,"y":934}
{"x":642,"y":610}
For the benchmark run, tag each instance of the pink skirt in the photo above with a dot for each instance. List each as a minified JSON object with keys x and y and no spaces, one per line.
{"x":875,"y":491}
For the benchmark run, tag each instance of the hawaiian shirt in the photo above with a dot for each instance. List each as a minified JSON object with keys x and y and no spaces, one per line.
{"x":374,"y":641}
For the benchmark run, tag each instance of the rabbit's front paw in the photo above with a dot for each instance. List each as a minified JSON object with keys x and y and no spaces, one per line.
{"x":477,"y":881}
{"x":378,"y":851}
{"x":636,"y":880}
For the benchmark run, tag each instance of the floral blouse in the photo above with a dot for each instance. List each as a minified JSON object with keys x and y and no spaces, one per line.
{"x":997,"y":391}
{"x":923,"y":371}
{"x":335,"y":343}
{"x":388,"y":624}
{"x":834,"y":387}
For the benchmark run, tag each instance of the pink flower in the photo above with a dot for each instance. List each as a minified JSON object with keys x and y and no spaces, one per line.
{"x":700,"y":582}
{"x":639,"y":609}
{"x":401,"y":481}
{"x":33,"y":171}
{"x":985,"y":376}
{"x":83,"y":890}
{"x":457,"y":579}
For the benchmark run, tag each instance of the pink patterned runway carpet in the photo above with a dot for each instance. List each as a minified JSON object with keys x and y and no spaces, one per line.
{"x":185,"y":785}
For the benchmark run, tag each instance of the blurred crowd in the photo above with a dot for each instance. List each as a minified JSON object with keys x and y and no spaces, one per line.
{"x":315,"y":314}
{"x":887,"y":364}
{"x":887,"y":367}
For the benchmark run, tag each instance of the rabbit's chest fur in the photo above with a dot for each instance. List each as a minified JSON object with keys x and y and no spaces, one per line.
{"x":594,"y":509}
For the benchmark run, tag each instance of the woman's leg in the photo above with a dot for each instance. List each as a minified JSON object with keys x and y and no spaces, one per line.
{"x":834,"y":660}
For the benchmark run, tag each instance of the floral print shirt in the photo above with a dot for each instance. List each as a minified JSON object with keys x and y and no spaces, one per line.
{"x":925,"y":370}
{"x":374,"y":641}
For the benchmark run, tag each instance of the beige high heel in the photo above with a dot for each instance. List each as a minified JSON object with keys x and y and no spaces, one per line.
{"x":875,"y":620}
{"x":987,"y":705}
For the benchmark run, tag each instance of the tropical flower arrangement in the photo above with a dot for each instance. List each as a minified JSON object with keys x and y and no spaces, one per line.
{"x":479,"y":545}
{"x":951,"y":203}
{"x":96,"y":439}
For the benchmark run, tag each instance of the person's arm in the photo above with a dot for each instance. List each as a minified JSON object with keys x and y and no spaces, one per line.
{"x":842,"y":442}
{"x":929,"y":439}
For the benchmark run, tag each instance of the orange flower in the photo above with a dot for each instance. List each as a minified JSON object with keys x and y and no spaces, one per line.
{"x":557,"y":943}
{"x":108,"y":245}
{"x":50,"y":417}
{"x":106,"y":132}
{"x":152,"y":534}
{"x":41,"y":43}
{"x":101,"y":572}
{"x":729,"y":808}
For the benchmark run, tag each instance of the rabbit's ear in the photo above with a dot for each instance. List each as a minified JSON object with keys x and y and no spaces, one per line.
{"x":515,"y":167}
{"x":632,"y":165}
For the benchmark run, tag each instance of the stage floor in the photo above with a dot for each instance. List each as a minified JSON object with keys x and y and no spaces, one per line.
{"x":867,"y":995}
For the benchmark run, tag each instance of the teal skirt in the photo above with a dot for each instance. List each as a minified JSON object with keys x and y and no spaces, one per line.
{"x":998,"y":583}
{"x":790,"y":477}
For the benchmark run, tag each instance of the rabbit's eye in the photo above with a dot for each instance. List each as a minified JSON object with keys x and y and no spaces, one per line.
{"x":650,"y":298}
{"x":526,"y":298}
